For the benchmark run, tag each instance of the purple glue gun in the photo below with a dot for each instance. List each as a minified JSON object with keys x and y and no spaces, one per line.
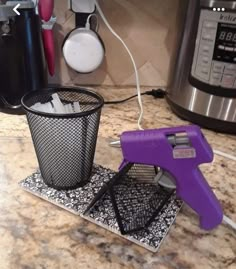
{"x":179,"y":151}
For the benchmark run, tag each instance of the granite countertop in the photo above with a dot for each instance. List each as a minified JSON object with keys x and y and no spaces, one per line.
{"x":37,"y":234}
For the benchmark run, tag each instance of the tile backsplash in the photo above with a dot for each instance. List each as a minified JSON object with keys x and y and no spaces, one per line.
{"x":147,"y":27}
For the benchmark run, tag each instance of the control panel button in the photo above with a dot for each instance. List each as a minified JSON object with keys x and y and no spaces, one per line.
{"x":216,"y":75}
{"x":230,"y":69}
{"x":218,"y":67}
{"x":215,"y":82}
{"x":230,"y":66}
{"x":221,"y":47}
{"x":210,"y":25}
{"x":215,"y":79}
{"x":208,"y":34}
{"x":229,"y":49}
{"x":204,"y":60}
{"x":227,"y":81}
{"x":207,"y":37}
{"x":203,"y":73}
{"x":205,"y":49}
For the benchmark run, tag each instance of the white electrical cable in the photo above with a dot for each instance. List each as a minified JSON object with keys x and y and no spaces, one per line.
{"x":88,"y":21}
{"x":230,"y":222}
{"x":133,"y":62}
{"x":223,"y":154}
{"x":226,"y":219}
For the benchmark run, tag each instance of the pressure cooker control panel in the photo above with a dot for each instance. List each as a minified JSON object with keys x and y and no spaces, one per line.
{"x":214,"y":60}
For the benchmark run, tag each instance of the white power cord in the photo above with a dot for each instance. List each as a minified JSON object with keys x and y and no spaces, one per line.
{"x":223,"y":154}
{"x":87,"y":25}
{"x":230,"y":222}
{"x":133,"y":62}
{"x":226,"y":219}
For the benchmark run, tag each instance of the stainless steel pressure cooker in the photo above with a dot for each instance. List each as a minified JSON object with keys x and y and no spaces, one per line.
{"x":202,"y":85}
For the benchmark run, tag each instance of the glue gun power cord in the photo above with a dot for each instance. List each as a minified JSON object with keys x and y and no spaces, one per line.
{"x":156,"y":93}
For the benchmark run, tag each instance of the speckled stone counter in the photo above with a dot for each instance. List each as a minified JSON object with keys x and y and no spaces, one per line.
{"x":37,"y":234}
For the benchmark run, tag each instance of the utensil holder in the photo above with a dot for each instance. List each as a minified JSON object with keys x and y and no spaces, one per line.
{"x":64,"y":143}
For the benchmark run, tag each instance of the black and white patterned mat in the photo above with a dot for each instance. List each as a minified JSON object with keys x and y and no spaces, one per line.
{"x":76,"y":201}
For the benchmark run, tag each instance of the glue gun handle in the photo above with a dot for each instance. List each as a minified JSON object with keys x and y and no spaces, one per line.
{"x":193,"y":188}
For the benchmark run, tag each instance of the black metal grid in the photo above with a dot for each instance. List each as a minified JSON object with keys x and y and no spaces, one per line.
{"x":142,"y":198}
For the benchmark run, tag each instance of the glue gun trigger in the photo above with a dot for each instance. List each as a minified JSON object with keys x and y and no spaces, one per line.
{"x":164,"y":179}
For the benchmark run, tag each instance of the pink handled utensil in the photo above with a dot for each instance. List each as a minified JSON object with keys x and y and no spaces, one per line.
{"x":45,"y":9}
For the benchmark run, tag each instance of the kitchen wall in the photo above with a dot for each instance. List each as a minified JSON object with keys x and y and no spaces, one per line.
{"x":148,"y":27}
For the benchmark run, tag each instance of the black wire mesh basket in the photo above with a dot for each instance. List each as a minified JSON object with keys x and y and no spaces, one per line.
{"x":64,"y":143}
{"x":136,"y":197}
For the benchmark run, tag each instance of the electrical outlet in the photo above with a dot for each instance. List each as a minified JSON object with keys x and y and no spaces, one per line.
{"x":82,"y":6}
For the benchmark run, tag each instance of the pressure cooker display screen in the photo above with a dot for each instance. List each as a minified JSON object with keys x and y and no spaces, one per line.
{"x":225,"y":44}
{"x":227,"y":36}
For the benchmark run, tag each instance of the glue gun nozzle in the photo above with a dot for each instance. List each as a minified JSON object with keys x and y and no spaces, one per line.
{"x":115,"y":144}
